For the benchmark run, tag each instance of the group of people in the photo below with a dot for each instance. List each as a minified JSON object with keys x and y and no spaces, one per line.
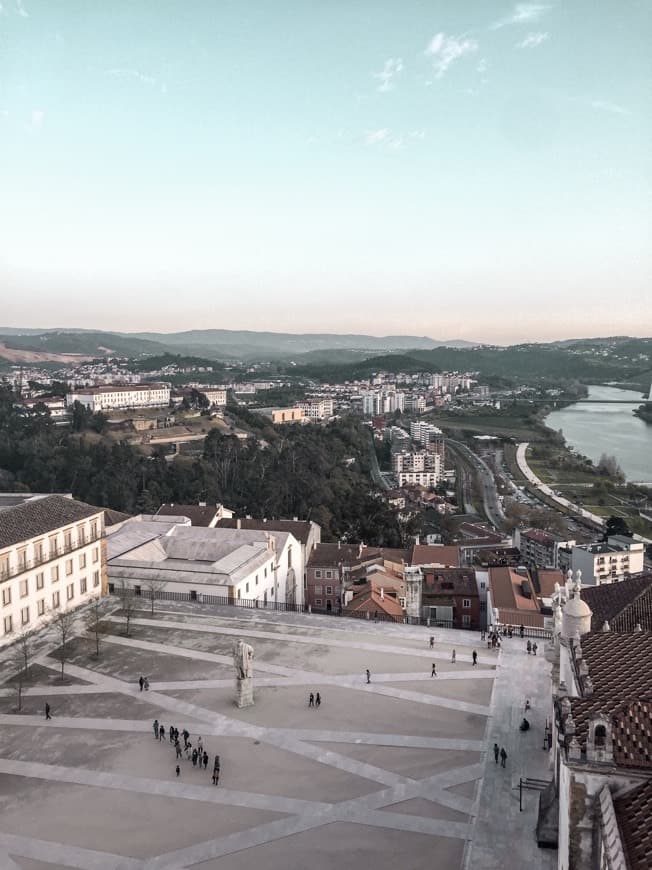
{"x":532,"y":648}
{"x":500,"y":753}
{"x":197,"y":754}
{"x":143,"y":682}
{"x":314,"y":700}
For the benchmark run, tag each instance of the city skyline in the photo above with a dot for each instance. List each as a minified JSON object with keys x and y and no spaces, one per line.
{"x":479,"y":172}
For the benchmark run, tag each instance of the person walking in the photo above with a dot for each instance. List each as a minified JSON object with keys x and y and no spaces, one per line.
{"x":317,"y":700}
{"x":178,"y":770}
{"x":534,"y":648}
{"x":521,"y":630}
{"x":205,"y":759}
{"x":453,"y":657}
{"x":503,"y":757}
{"x":496,"y":752}
{"x":188,"y":751}
{"x":146,"y":684}
{"x":161,"y":732}
{"x":433,"y":671}
{"x":177,"y":747}
{"x":200,"y":746}
{"x":475,"y":658}
{"x":311,"y":700}
{"x":432,"y":642}
{"x":47,"y":711}
{"x":155,"y":727}
{"x":186,"y":736}
{"x":141,"y":682}
{"x":216,"y":770}
{"x":194,"y":758}
{"x":368,"y":675}
{"x":529,"y":647}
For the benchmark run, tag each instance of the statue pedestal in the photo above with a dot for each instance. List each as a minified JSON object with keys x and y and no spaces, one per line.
{"x":244,"y":692}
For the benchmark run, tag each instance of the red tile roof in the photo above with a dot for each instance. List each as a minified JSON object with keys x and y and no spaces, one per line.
{"x":506,"y":589}
{"x":622,"y":604}
{"x":368,"y":599}
{"x":435,"y":555}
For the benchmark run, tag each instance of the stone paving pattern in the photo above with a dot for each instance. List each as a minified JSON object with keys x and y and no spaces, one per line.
{"x":398,"y":772}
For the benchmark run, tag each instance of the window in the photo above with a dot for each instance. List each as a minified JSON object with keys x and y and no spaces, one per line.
{"x":466,"y":619}
{"x":6,"y":595}
{"x":265,"y":570}
{"x":96,"y":555}
{"x":67,"y":540}
{"x":289,"y":557}
{"x":54,"y":573}
{"x":40,"y":606}
{"x":22,"y":559}
{"x":24,"y":588}
{"x":24,"y":616}
{"x":239,"y":593}
{"x":38,"y":551}
{"x":317,"y":574}
{"x":81,"y":535}
{"x":55,"y":599}
{"x":246,"y":587}
{"x":94,"y":529}
{"x":256,"y":579}
{"x":40,"y":580}
{"x":466,"y":603}
{"x":82,"y":560}
{"x":70,"y":591}
{"x":4,"y":566}
{"x":82,"y":585}
{"x":329,"y":575}
{"x":96,"y":578}
{"x":8,"y":625}
{"x":600,"y":735}
{"x":483,"y":585}
{"x":68,"y":567}
{"x":329,"y":590}
{"x":317,"y":602}
{"x":317,"y":590}
{"x":53,"y":546}
{"x":483,"y":606}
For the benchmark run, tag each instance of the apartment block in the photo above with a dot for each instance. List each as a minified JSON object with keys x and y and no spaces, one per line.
{"x":115,"y":397}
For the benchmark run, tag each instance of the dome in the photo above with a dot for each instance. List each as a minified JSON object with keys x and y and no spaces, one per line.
{"x":577,"y":608}
{"x":576,"y":618}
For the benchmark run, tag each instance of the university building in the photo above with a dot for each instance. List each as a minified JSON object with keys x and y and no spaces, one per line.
{"x":115,"y":397}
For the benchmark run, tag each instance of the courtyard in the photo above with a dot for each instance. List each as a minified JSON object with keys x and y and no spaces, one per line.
{"x":397,"y":771}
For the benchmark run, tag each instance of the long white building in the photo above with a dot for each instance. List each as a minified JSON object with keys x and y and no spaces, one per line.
{"x":121,"y":396}
{"x":51,"y":558}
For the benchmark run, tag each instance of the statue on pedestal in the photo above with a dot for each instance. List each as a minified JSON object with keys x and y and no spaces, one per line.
{"x":243,"y":657}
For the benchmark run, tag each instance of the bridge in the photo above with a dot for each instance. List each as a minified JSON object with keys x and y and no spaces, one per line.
{"x":552,"y":401}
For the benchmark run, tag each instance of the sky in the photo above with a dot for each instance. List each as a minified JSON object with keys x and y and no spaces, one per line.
{"x":475,"y":169}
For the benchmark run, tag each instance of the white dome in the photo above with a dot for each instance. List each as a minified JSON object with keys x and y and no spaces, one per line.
{"x":576,"y":618}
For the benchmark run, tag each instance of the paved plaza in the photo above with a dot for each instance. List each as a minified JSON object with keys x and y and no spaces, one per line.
{"x":397,"y":772}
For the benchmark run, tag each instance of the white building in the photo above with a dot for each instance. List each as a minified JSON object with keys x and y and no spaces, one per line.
{"x":215,"y":395}
{"x":609,"y":561}
{"x":115,"y":397}
{"x":166,"y":553}
{"x":51,"y":558}
{"x":422,"y":478}
{"x":316,"y":409}
{"x":419,"y":460}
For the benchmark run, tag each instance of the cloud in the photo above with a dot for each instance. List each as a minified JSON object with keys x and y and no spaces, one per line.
{"x":391,"y":68}
{"x":445,"y":50}
{"x":386,"y":138}
{"x":375,"y":137}
{"x":523,"y":13}
{"x":20,"y":9}
{"x":533,"y":40}
{"x":606,"y":106}
{"x":482,"y":65}
{"x":131,"y":74}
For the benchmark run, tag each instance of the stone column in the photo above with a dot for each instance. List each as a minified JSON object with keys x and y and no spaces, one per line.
{"x":244,"y":691}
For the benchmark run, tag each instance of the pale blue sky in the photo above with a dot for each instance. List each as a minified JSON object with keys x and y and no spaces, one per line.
{"x":460,"y":169}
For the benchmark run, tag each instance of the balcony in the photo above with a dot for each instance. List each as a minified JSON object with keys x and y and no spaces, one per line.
{"x":52,"y":554}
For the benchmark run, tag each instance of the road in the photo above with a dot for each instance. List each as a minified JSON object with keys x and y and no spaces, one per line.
{"x":376,"y":473}
{"x":484,"y":476}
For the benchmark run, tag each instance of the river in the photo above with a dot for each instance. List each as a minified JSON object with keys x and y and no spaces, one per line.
{"x":594,"y":429}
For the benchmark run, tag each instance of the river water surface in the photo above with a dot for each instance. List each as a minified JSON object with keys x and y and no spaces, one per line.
{"x":594,"y":429}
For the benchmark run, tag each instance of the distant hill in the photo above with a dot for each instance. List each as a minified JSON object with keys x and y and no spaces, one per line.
{"x":86,"y":344}
{"x":352,"y":371}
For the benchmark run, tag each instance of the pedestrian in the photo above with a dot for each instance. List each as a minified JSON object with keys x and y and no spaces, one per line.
{"x":216,"y":770}
{"x":188,"y":751}
{"x":368,"y":675}
{"x":522,"y":631}
{"x":177,"y":746}
{"x":432,"y":642}
{"x":146,"y":684}
{"x":527,"y":705}
{"x":161,"y":732}
{"x":453,"y":659}
{"x":47,"y":711}
{"x":496,"y":752}
{"x":155,"y":727}
{"x":194,"y":757}
{"x":534,"y":648}
{"x":205,"y":759}
{"x":529,"y":647}
{"x":482,"y":635}
{"x":433,"y":672}
{"x":186,"y":735}
{"x":503,"y":757}
{"x":317,"y":700}
{"x":200,"y":746}
{"x":475,"y":658}
{"x":142,"y":683}
{"x":178,"y":770}
{"x":311,"y":700}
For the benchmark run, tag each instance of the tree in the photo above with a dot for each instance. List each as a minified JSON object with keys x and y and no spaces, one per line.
{"x":609,"y":466}
{"x":127,"y":604}
{"x":64,"y":622}
{"x":22,"y":653}
{"x":94,"y":624}
{"x":153,"y":587}
{"x":616,"y":526}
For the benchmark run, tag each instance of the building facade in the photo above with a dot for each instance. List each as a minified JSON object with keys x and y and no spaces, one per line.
{"x":121,"y":397}
{"x":52,"y":558}
{"x":608,"y":562}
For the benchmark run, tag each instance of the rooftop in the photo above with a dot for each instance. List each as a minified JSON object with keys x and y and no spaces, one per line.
{"x":199,"y":515}
{"x":40,"y":516}
{"x":300,"y":529}
{"x":634,"y":811}
{"x":433,"y":554}
{"x":623,"y":605}
{"x":450,"y":581}
{"x":507,"y":588}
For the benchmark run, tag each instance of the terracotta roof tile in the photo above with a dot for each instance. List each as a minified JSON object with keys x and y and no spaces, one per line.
{"x":634,"y":811}
{"x":622,"y":604}
{"x":426,"y":555}
{"x":39,"y":516}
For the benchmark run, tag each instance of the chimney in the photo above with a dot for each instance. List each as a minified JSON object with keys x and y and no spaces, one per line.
{"x":238,"y":523}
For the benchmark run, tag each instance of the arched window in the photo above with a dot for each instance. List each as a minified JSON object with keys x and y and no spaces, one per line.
{"x":600,"y":737}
